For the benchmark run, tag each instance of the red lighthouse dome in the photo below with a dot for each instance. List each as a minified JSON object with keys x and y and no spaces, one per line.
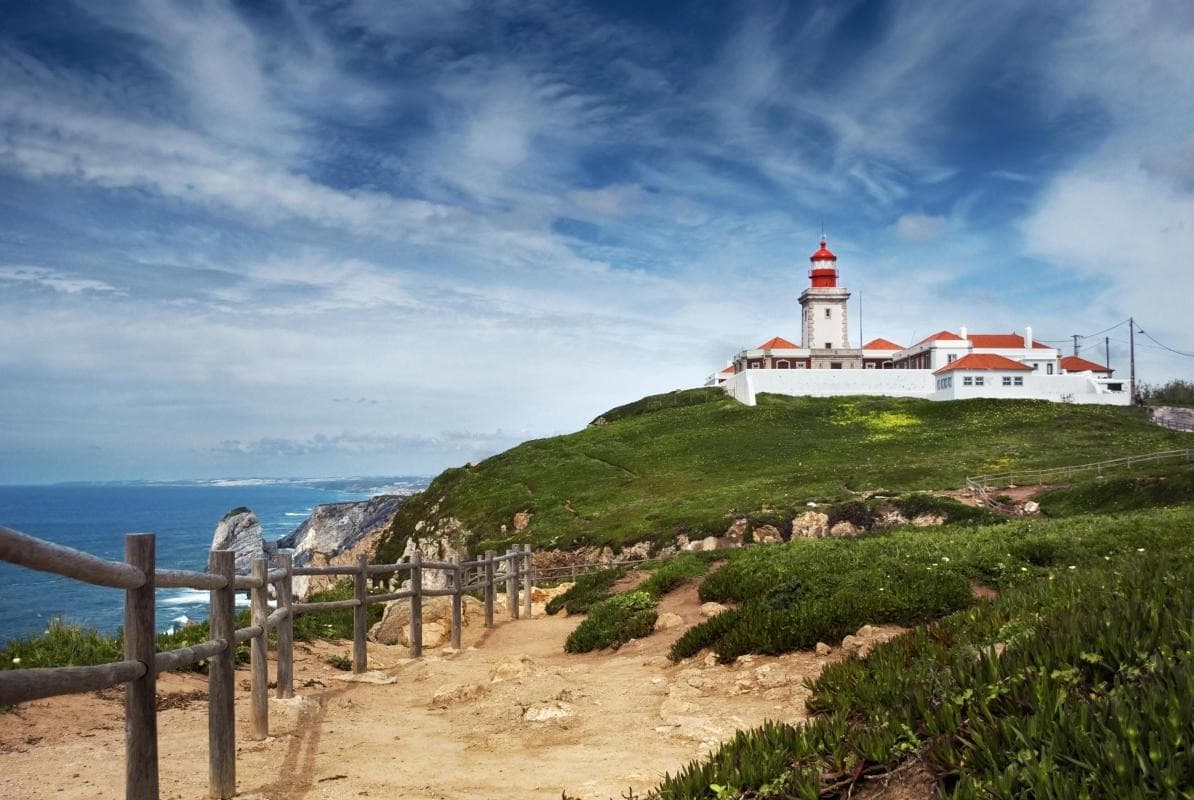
{"x":824,"y":271}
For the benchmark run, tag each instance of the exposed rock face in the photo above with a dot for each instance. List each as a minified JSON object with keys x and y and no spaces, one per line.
{"x":810,"y":525}
{"x":843,"y":528}
{"x":767,"y":534}
{"x":335,"y":534}
{"x":522,"y":519}
{"x":240,"y":532}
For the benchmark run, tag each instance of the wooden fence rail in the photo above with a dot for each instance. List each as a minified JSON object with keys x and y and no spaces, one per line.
{"x":981,"y":486}
{"x":138,"y":670}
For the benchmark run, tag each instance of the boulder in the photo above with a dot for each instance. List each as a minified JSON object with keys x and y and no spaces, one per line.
{"x":767,"y":534}
{"x":668,"y":620}
{"x":434,"y":635}
{"x":395,"y":619}
{"x":843,"y":528}
{"x":522,"y":519}
{"x":736,"y":533}
{"x":509,"y":668}
{"x":1031,"y":507}
{"x":810,"y":525}
{"x":240,"y":532}
{"x":547,"y":711}
{"x":711,"y":609}
{"x":458,"y":693}
{"x":928,"y":521}
{"x":823,"y":649}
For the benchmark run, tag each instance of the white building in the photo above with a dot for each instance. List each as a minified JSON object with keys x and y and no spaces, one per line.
{"x":944,"y":366}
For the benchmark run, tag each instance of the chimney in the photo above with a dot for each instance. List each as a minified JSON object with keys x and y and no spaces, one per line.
{"x":1028,"y":337}
{"x":962,"y":332}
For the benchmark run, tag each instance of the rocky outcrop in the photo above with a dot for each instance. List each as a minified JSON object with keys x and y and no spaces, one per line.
{"x":335,"y":534}
{"x":240,"y":531}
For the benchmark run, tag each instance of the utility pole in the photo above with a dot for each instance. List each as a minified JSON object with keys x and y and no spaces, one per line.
{"x":1132,"y":357}
{"x":1107,"y":352}
{"x":1075,"y":337}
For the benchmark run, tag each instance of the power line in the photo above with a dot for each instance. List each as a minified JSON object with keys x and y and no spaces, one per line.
{"x":1100,"y":333}
{"x":1164,"y":346}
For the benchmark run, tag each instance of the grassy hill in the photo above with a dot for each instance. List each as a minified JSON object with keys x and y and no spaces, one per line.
{"x":688,"y":461}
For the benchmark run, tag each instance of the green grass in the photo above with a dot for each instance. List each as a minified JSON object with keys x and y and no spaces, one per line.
{"x":590,"y":588}
{"x":690,"y":462}
{"x":1074,"y":688}
{"x":613,"y":621}
{"x":1159,"y":487}
{"x":797,"y":594}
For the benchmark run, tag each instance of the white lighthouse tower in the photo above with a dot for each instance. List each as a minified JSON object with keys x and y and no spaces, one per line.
{"x":824,"y":326}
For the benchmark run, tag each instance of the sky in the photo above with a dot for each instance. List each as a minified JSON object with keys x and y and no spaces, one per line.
{"x":373,"y":237}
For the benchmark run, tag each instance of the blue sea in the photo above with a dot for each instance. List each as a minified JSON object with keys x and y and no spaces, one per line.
{"x":95,"y":517}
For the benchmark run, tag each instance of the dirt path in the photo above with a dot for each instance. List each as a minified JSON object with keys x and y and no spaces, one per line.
{"x":510,"y":716}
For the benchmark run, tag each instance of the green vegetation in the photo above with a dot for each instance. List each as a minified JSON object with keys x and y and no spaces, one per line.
{"x":343,"y":663}
{"x":1077,"y":687}
{"x":797,"y":594}
{"x":1174,"y":393}
{"x":613,"y":621}
{"x":1161,"y":487}
{"x":589,"y":588}
{"x":692,"y":461}
{"x":333,"y":624}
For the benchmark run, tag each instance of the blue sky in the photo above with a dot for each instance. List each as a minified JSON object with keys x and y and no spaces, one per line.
{"x":364,"y":236}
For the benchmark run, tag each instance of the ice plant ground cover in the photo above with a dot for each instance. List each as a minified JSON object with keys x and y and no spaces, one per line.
{"x":1075,"y":682}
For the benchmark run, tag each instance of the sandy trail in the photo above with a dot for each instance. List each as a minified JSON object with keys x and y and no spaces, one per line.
{"x":593,"y":725}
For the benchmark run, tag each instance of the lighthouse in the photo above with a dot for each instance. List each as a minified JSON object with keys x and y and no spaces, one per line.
{"x":824,"y":325}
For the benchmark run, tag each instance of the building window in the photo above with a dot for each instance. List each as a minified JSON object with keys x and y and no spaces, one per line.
{"x":978,"y":381}
{"x":951,"y":358}
{"x":870,"y":365}
{"x":799,"y":365}
{"x":828,"y":313}
{"x":829,"y":345}
{"x":835,"y":365}
{"x":1007,"y":380}
{"x":1019,"y":380}
{"x":754,"y":365}
{"x":967,"y":381}
{"x":1049,"y":368}
{"x":782,"y":365}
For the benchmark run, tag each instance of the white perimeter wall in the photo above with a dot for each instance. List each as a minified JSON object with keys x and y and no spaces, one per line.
{"x":916,"y":383}
{"x":830,"y":383}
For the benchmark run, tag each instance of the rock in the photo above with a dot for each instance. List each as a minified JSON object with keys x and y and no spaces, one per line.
{"x":522,"y":519}
{"x":459,"y":693}
{"x":547,"y":711}
{"x":668,"y":620}
{"x":843,"y":528}
{"x":745,"y":659}
{"x":434,"y":634}
{"x":767,"y":534}
{"x":1031,"y":507}
{"x":927,"y":521}
{"x":333,"y":527}
{"x":375,"y":677}
{"x":736,"y":533}
{"x":823,"y":649}
{"x":636,"y":552}
{"x":810,"y":525}
{"x":710,"y":660}
{"x":711,"y":609}
{"x":769,"y":676}
{"x":866,"y":631}
{"x":510,"y":668}
{"x":240,"y":532}
{"x":852,"y":644}
{"x":676,"y":706}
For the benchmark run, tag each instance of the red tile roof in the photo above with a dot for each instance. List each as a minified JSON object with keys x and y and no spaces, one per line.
{"x":1012,"y":341}
{"x":938,"y":336}
{"x":731,"y":369}
{"x":881,"y":344}
{"x":824,"y":254}
{"x":1076,"y":364}
{"x":984,"y":361}
{"x":776,"y":344}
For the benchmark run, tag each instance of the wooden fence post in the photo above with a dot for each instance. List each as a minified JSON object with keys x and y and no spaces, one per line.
{"x":259,"y":652}
{"x":140,"y":696}
{"x":286,"y":629}
{"x":221,"y":691}
{"x":360,"y":616}
{"x":527,"y":581}
{"x":457,"y":601}
{"x":512,"y":582}
{"x":490,"y":588}
{"x":416,"y":603}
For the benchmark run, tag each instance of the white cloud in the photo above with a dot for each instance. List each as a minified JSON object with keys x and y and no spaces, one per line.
{"x":53,"y":279}
{"x":920,"y":227}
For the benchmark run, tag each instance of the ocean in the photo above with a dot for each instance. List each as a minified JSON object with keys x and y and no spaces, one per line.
{"x":95,"y":517}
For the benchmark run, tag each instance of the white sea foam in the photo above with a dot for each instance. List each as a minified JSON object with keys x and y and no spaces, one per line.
{"x":193,"y":597}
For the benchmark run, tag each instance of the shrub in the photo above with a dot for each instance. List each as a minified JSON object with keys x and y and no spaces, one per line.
{"x":333,"y":624}
{"x":613,"y":622}
{"x":589,"y":588}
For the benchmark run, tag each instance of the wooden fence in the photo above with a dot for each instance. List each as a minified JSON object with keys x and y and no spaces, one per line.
{"x":981,"y":486}
{"x":138,"y":671}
